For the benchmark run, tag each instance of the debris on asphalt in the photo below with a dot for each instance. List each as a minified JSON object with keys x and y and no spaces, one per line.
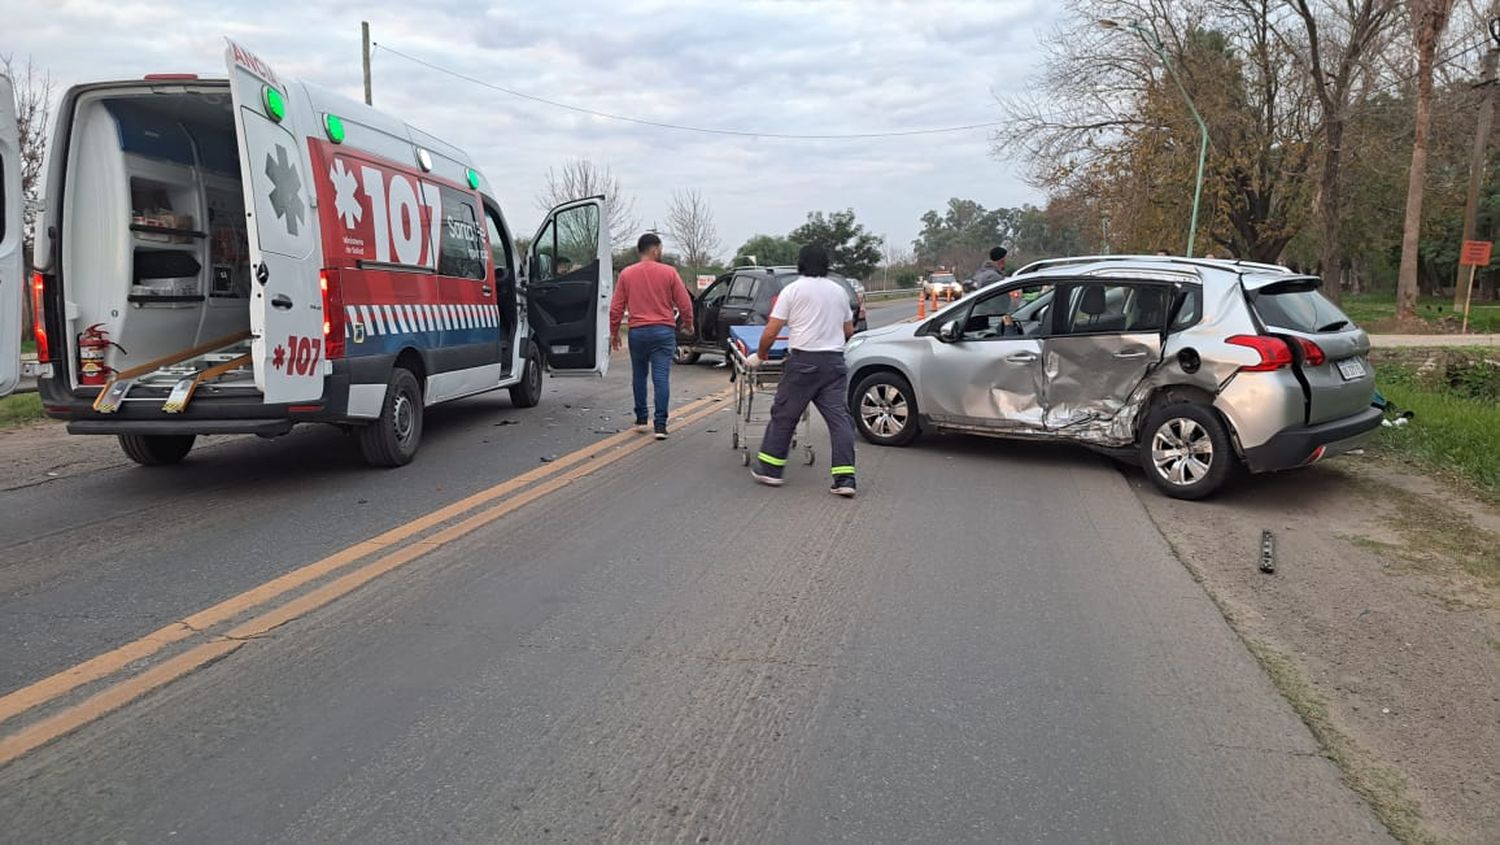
{"x":361,"y":501}
{"x":1267,"y":551}
{"x":508,"y":422}
{"x":547,"y":459}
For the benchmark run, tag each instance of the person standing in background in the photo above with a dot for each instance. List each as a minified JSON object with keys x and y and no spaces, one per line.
{"x":654,"y":295}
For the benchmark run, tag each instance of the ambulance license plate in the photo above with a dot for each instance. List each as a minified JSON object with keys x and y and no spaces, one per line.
{"x":1352,"y":368}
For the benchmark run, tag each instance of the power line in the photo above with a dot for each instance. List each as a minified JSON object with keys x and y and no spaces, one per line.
{"x":739,"y":133}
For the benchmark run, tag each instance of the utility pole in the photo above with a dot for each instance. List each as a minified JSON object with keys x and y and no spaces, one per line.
{"x":365,"y":36}
{"x":1477,"y":156}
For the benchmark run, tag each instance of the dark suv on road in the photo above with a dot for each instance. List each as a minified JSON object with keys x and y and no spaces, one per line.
{"x":743,"y":297}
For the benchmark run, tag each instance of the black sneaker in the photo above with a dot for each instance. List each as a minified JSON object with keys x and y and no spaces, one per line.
{"x":843,"y":485}
{"x":641,"y":424}
{"x":765,"y":473}
{"x":661,"y":432}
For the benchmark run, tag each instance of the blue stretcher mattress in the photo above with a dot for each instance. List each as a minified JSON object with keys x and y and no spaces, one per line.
{"x":747,"y":338}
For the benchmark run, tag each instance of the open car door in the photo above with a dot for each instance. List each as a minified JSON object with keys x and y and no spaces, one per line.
{"x":12,"y":219}
{"x":570,"y":280}
{"x":286,"y":305}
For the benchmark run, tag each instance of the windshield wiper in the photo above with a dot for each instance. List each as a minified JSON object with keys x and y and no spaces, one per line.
{"x":1333,"y":326}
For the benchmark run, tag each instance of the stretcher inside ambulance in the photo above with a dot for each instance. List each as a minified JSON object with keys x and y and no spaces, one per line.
{"x":246,"y":254}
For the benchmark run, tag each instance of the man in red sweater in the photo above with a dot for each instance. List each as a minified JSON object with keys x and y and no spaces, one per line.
{"x":654,"y":295}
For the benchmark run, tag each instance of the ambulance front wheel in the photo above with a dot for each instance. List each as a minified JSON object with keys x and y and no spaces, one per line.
{"x":528,"y":391}
{"x":155,"y":450}
{"x":392,"y":440}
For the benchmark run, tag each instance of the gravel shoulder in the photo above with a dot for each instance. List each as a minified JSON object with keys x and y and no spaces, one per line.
{"x":1381,"y":624}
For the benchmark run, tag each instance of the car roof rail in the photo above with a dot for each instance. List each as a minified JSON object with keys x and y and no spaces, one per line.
{"x":1215,"y":263}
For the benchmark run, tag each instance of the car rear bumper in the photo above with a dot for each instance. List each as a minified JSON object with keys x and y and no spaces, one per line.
{"x":1304,"y":445}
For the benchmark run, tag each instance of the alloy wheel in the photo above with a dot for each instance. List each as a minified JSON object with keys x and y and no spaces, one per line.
{"x":1182,"y":451}
{"x":884,"y":410}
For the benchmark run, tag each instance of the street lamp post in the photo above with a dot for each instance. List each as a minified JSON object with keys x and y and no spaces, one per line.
{"x":1155,"y":44}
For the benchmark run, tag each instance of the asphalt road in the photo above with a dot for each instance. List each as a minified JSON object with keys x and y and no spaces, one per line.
{"x":992,"y":643}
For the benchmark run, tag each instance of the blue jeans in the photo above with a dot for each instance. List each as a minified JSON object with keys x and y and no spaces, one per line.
{"x":652,"y":346}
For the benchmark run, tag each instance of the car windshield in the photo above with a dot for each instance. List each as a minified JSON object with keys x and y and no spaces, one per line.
{"x":943,"y":278}
{"x":1299,"y":308}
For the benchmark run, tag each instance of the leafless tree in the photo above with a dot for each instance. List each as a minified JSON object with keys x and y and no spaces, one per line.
{"x":579,"y":178}
{"x":1340,"y":38}
{"x":1429,"y":18}
{"x":690,"y":225}
{"x":33,"y":111}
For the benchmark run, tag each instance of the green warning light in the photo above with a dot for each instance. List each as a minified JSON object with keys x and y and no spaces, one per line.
{"x":334,"y":126}
{"x":473,"y":178}
{"x":275,"y":103}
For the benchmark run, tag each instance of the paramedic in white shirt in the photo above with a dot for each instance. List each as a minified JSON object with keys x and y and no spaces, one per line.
{"x":815,"y":311}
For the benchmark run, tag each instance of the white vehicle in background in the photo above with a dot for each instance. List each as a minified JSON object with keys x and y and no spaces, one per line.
{"x":943,"y":284}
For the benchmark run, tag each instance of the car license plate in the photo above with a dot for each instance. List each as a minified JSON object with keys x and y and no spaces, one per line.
{"x":1352,"y":368}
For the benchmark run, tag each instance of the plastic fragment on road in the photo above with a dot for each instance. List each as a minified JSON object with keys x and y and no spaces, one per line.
{"x":1267,"y":551}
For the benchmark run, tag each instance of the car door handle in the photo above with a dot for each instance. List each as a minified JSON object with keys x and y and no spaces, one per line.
{"x":1022,"y":358}
{"x":281,"y":301}
{"x":1131,"y":353}
{"x":487,"y":290}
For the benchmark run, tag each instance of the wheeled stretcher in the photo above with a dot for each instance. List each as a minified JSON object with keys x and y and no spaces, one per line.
{"x":755,"y":390}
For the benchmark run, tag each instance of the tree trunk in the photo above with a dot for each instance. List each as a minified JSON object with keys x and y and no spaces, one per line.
{"x":1431,"y":16}
{"x":1330,"y":209}
{"x":1477,"y":158}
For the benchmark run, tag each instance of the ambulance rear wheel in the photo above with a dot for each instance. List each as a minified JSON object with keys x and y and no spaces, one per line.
{"x":155,"y":450}
{"x":528,"y":392}
{"x":392,"y":440}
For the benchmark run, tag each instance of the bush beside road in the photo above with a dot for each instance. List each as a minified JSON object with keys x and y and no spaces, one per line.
{"x":1455,"y":396}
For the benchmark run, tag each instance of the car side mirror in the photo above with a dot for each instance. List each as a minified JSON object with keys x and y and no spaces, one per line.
{"x":950,"y":332}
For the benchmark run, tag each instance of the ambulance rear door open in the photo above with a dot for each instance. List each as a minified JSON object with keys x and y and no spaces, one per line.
{"x":286,"y":303}
{"x":12,"y":213}
{"x":570,"y":280}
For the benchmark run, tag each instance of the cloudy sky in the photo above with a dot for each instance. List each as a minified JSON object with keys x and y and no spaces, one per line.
{"x":811,"y":67}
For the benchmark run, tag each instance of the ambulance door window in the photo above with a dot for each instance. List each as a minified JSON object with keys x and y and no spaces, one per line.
{"x":543,"y":250}
{"x":461,"y":251}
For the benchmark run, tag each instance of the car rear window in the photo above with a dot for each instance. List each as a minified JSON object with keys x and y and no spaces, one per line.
{"x":1299,"y":309}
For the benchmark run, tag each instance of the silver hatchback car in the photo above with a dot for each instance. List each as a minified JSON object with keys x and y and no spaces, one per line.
{"x":1191,"y":366}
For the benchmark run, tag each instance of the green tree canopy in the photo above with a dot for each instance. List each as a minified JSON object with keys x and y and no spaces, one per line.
{"x":768,"y":250}
{"x":852,"y":251}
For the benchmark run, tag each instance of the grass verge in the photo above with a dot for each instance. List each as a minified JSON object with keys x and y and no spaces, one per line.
{"x":1376,"y":312}
{"x":1453,"y":394}
{"x":20,"y":409}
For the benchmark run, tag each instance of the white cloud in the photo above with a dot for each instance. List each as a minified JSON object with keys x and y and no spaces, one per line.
{"x":835,"y":66}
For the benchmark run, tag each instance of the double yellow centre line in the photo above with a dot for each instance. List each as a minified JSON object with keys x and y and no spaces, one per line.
{"x":380,"y":554}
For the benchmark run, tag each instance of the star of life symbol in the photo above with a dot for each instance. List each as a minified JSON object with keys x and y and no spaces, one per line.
{"x":346,"y":194}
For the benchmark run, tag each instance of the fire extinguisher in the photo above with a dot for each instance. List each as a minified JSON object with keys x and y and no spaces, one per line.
{"x":93,"y":343}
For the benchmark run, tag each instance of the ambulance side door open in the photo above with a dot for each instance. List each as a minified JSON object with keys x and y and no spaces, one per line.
{"x":286,"y":305}
{"x":570,"y":280}
{"x":12,"y":207}
{"x":12,"y":212}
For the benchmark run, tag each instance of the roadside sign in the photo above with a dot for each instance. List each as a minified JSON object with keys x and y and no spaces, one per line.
{"x":704,"y":282}
{"x":1475,"y":254}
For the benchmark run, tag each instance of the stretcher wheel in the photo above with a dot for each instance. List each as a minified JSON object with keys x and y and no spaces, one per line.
{"x":812,"y":457}
{"x":744,"y":459}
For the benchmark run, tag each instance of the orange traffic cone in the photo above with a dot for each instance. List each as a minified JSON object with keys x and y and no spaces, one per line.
{"x":921,"y":305}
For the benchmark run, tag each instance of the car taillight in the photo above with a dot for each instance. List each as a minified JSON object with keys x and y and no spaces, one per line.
{"x":1312,"y":354}
{"x":39,"y":319}
{"x":1274,"y":353}
{"x":333,"y":314}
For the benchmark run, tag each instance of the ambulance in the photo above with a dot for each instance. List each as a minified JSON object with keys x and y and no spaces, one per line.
{"x":241,"y":255}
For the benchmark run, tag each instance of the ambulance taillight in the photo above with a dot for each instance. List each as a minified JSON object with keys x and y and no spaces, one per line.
{"x":39,"y":318}
{"x":333,"y":314}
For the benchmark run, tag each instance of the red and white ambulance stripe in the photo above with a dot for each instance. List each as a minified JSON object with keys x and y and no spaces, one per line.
{"x":411,"y":319}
